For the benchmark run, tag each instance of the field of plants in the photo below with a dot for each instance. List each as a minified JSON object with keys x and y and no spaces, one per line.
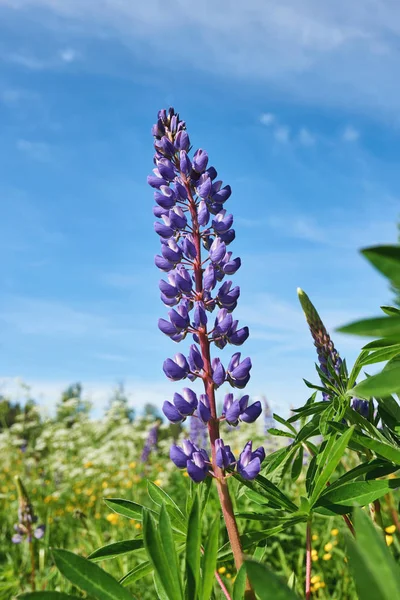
{"x":215,"y":498}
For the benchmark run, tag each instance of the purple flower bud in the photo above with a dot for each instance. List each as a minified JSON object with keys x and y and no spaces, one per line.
{"x":361,"y":406}
{"x":230,"y":267}
{"x":166,"y":169}
{"x":184,"y":163}
{"x":180,"y":318}
{"x":195,"y":359}
{"x":171,"y":301}
{"x":239,"y":372}
{"x":209,"y":279}
{"x":203,"y":214}
{"x":228,"y":236}
{"x":171,"y":251}
{"x":165,"y":147}
{"x":163,"y":230}
{"x":204,"y":186}
{"x":217,"y":251}
{"x":182,"y":141}
{"x":249,"y":463}
{"x":251,"y":413}
{"x":204,"y":408}
{"x":239,"y":337}
{"x":17,"y":538}
{"x":180,"y":456}
{"x":200,"y":317}
{"x":163,"y":264}
{"x":177,"y":218}
{"x":156,"y":180}
{"x":166,"y":327}
{"x":200,"y":160}
{"x":183,"y":406}
{"x":172,"y":413}
{"x":227,"y":297}
{"x":218,"y":372}
{"x":222,"y":222}
{"x":197,"y":467}
{"x":233,"y":413}
{"x":222,"y":195}
{"x":224,"y":455}
{"x":180,"y":189}
{"x":189,"y":248}
{"x":176,"y":369}
{"x":167,"y":289}
{"x":166,"y":199}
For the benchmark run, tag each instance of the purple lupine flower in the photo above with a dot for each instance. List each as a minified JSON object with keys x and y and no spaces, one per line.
{"x":327,"y":353}
{"x":239,"y":410}
{"x":195,"y":258}
{"x":249,"y":463}
{"x":151,"y":443}
{"x":24,"y":529}
{"x":198,"y":431}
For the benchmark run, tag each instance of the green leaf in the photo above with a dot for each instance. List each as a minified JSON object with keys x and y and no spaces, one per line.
{"x":381,"y":355}
{"x":266,"y":584}
{"x":284,"y":422}
{"x":383,"y":449}
{"x":297,"y":465}
{"x":386,"y":259}
{"x":145,"y":568}
{"x":376,"y":327}
{"x":89,"y":577}
{"x":358,"y":493}
{"x":375,"y":572}
{"x":316,"y":407}
{"x":368,"y":468}
{"x":116,"y":549}
{"x":167,"y":540}
{"x":391,"y":310}
{"x":158,"y":558}
{"x":159,"y":496}
{"x":380,"y":385}
{"x":334,"y":454}
{"x":240,"y":584}
{"x":126,"y":508}
{"x":46,"y":596}
{"x":266,"y":488}
{"x":209,"y":561}
{"x":193,"y":543}
{"x":280,"y":433}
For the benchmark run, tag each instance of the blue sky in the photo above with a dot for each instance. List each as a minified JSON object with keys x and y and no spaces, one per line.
{"x":297,"y":106}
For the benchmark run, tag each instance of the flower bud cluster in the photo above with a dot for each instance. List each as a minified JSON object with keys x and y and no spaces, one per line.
{"x":24,"y":529}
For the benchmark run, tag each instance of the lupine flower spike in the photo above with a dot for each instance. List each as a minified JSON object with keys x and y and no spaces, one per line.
{"x":195,"y":231}
{"x":328,"y":357}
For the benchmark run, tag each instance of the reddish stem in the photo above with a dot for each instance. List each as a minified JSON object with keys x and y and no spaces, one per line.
{"x":209,"y":388}
{"x":308,"y":561}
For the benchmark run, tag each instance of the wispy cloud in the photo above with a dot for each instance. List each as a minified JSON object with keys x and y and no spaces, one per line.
{"x":306,"y":138}
{"x":267,"y":119}
{"x":282,"y":134}
{"x":39,"y":151}
{"x":350,"y":134}
{"x":317,"y":52}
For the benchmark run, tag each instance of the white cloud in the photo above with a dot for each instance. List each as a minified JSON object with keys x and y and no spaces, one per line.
{"x":68,"y":55}
{"x":320,"y":52}
{"x":350,"y":134}
{"x":281,"y":134}
{"x":37,"y":150}
{"x":305,"y":137}
{"x":267,"y":118}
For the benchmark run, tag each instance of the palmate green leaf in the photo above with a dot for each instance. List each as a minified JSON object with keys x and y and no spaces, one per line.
{"x":386,"y":450}
{"x":256,"y":537}
{"x":331,"y":458}
{"x":266,"y":488}
{"x":354,"y":418}
{"x":145,"y":568}
{"x":266,"y":584}
{"x":127,"y":508}
{"x":386,"y":259}
{"x":384,"y":383}
{"x":375,"y":571}
{"x":376,"y":327}
{"x":193,"y":543}
{"x":209,"y":561}
{"x":89,"y":577}
{"x":116,"y":549}
{"x":46,"y":596}
{"x":357,"y":493}
{"x":159,"y":496}
{"x":160,"y":561}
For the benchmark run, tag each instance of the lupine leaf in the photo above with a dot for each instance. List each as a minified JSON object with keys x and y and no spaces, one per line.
{"x":297,"y":465}
{"x":193,"y":542}
{"x":386,"y":259}
{"x":159,"y":496}
{"x":383,"y":449}
{"x":89,"y":577}
{"x":380,"y":385}
{"x":358,"y":492}
{"x":137,"y":573}
{"x":378,"y":326}
{"x":209,"y":561}
{"x":333,"y":458}
{"x":381,"y":355}
{"x":306,"y":411}
{"x":46,"y":596}
{"x":167,"y":540}
{"x":284,"y":422}
{"x":126,"y":508}
{"x":376,"y":574}
{"x":266,"y":584}
{"x":160,"y":561}
{"x":391,"y":310}
{"x":280,"y":433}
{"x":266,"y":488}
{"x":367,"y":468}
{"x":116,"y":549}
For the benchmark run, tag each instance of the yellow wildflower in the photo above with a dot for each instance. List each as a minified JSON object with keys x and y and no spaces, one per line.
{"x":97,"y":516}
{"x":327,"y":556}
{"x":228,"y":575}
{"x":314,"y":557}
{"x":315,"y":579}
{"x":104,"y":485}
{"x":113,"y":518}
{"x":138,"y":526}
{"x":88,"y":464}
{"x":132,"y":465}
{"x":335,"y":532}
{"x":315,"y":537}
{"x":157,"y":482}
{"x":390,"y":529}
{"x":314,"y":552}
{"x":389,"y":540}
{"x":221,"y":570}
{"x":328,"y":547}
